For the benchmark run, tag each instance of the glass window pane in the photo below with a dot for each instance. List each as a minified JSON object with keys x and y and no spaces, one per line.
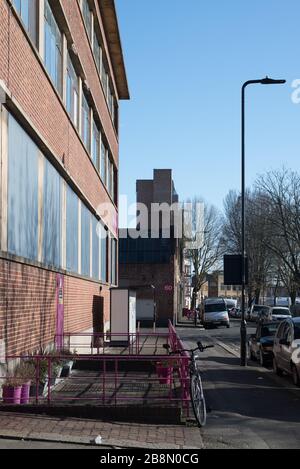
{"x":53,"y":48}
{"x":103,"y":163}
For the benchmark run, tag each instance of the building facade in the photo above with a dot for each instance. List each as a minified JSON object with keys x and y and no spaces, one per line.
{"x":62,"y":75}
{"x":155,"y":258}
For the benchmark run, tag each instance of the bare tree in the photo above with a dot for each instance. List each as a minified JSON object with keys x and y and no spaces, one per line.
{"x":205,"y":257}
{"x":255,"y":233}
{"x":280,"y":192}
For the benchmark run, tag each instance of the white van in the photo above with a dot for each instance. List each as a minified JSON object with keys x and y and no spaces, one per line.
{"x":215,"y":313}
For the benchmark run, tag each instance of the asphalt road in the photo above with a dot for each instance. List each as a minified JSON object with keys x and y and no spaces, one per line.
{"x":249,"y":407}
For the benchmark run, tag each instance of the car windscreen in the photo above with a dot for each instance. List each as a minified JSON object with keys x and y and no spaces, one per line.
{"x":214,"y":308}
{"x":281,"y":311}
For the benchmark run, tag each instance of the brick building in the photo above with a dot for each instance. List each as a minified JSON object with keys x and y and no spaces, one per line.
{"x":62,"y":75}
{"x":154,"y":261}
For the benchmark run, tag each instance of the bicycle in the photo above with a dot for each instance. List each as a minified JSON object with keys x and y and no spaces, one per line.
{"x":196,"y":389}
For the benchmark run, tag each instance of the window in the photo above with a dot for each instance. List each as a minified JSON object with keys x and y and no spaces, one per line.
{"x":110,"y":101}
{"x":72,"y":231}
{"x":109,"y":176}
{"x":72,"y":92}
{"x":113,"y":261}
{"x":27,"y":10}
{"x":103,"y":173}
{"x":87,"y":17}
{"x":22,"y":193}
{"x":95,"y":249}
{"x":96,"y":145}
{"x":103,"y":255}
{"x":104,"y":78}
{"x":51,"y":216}
{"x":86,"y":124}
{"x":53,"y":48}
{"x":85,"y":240}
{"x":97,"y":53}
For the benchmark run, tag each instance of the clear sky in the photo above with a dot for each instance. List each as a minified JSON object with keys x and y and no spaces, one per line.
{"x":186,"y":62}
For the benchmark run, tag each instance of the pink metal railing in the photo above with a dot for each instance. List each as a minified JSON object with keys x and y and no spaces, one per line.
{"x":109,"y":380}
{"x":100,"y":344}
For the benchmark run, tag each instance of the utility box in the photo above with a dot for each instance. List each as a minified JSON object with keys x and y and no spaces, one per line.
{"x":122,"y":316}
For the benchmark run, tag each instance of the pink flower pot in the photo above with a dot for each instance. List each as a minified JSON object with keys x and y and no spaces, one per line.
{"x":25,"y":393}
{"x":12,"y":394}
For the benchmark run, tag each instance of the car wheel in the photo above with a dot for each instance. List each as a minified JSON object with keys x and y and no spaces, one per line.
{"x":262,"y":360}
{"x":228,"y":326}
{"x":277,"y":370}
{"x":295,"y":374}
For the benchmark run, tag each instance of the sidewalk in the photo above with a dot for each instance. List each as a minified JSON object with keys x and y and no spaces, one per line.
{"x":113,"y":434}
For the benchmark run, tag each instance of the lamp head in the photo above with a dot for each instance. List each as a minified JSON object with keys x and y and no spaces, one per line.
{"x":270,"y":81}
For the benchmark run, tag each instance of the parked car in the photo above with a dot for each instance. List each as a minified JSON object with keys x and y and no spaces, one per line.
{"x":280,"y":312}
{"x":215,"y":313}
{"x":286,"y":349}
{"x":259,"y":312}
{"x":260,"y":344}
{"x":235,"y":313}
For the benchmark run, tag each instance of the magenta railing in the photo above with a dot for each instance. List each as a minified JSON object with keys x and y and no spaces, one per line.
{"x":100,"y":343}
{"x":109,"y":379}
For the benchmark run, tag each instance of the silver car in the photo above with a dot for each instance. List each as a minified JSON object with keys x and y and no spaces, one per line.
{"x":279,"y":313}
{"x":260,"y":312}
{"x":215,"y":313}
{"x":286,"y":349}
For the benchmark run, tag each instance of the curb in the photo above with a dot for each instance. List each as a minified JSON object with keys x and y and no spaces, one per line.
{"x":269,"y":373}
{"x":85,"y":441}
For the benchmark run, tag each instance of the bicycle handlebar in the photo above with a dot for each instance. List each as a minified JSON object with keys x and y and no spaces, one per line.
{"x":200,"y":347}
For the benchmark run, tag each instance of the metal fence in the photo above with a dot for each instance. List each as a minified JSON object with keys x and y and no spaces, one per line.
{"x":102,"y":379}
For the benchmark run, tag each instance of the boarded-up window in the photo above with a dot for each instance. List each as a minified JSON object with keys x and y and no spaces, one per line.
{"x":22,"y":193}
{"x":51,"y":216}
{"x":72,"y":231}
{"x":103,"y":255}
{"x":85,"y":241}
{"x":96,"y":250}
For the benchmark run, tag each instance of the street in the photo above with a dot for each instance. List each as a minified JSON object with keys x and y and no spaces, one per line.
{"x":248,"y":407}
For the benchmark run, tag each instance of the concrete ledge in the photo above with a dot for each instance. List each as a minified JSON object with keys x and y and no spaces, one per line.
{"x":140,"y":414}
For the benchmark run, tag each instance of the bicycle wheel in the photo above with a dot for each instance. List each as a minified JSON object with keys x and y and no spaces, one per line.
{"x":198,"y":401}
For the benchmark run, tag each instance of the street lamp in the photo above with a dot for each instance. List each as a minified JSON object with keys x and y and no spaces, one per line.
{"x":264,"y":81}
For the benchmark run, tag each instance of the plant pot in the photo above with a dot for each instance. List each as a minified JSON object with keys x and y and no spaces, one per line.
{"x":25,"y":393}
{"x":12,"y":394}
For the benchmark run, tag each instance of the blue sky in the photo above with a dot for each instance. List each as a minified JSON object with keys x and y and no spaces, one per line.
{"x":186,"y":62}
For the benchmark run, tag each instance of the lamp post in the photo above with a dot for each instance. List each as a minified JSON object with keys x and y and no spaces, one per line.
{"x":264,"y":81}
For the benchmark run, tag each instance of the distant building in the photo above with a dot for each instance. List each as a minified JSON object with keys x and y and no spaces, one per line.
{"x":146,"y":262}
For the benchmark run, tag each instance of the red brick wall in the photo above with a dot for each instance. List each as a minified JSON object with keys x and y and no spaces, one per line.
{"x":26,"y":79}
{"x":79,"y":298}
{"x":28,"y":306}
{"x":158,"y":275}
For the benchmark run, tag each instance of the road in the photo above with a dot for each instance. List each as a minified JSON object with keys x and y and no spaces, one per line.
{"x":249,"y":407}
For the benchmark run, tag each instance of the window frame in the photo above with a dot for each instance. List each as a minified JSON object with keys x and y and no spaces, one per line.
{"x":51,"y":25}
